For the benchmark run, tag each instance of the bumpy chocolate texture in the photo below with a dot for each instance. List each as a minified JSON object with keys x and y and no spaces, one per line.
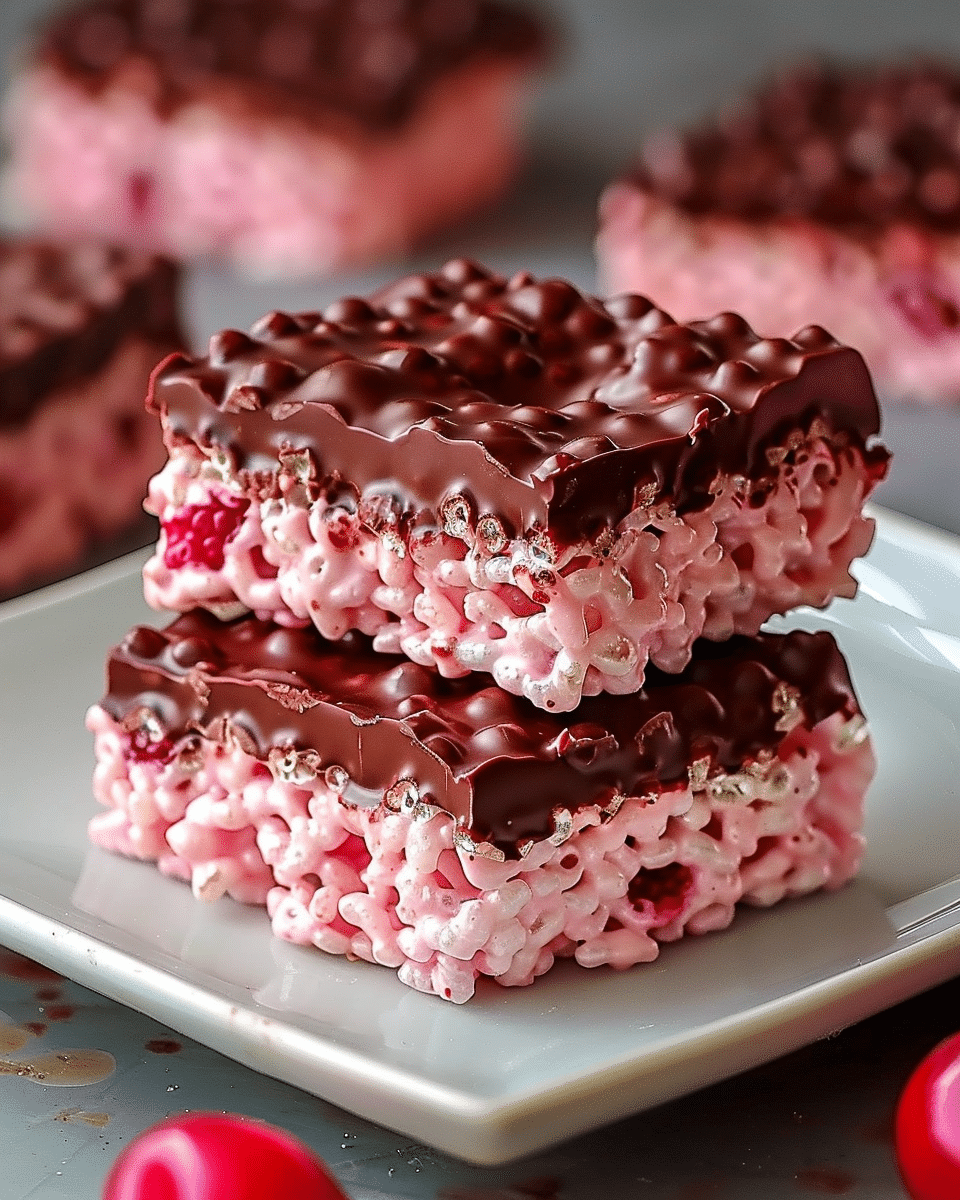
{"x":856,"y":149}
{"x":497,"y":764}
{"x":525,"y":399}
{"x":64,"y":310}
{"x":368,"y":60}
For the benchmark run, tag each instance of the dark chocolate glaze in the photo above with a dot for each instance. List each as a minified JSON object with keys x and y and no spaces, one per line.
{"x":65,"y":309}
{"x":858,"y":148}
{"x":369,"y":60}
{"x":539,"y":403}
{"x":492,"y":760}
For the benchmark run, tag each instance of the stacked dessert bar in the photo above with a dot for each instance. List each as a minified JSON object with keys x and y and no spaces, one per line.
{"x":467,"y":675}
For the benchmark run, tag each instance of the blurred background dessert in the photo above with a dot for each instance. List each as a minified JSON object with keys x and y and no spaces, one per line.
{"x":289,"y":138}
{"x":832,"y":195}
{"x":81,"y":328}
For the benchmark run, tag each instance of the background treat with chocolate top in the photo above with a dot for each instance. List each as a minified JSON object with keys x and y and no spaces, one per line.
{"x":81,"y":328}
{"x":450,"y":830}
{"x":290,"y":138}
{"x":832,"y":195}
{"x":512,"y":477}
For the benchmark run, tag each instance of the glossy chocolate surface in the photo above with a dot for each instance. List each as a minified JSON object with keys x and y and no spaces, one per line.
{"x":64,"y":310}
{"x":499,"y":765}
{"x":859,"y":148}
{"x":369,"y":60}
{"x":538,"y":403}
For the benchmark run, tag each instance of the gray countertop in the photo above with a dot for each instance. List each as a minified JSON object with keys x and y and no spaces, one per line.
{"x":817,"y":1122}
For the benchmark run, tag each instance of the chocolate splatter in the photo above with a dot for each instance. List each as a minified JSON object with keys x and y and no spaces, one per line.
{"x":63,"y":1068}
{"x":12,"y":1037}
{"x":829,"y":1181}
{"x":163,"y":1046}
{"x":59,"y":1012}
{"x":15,"y":966}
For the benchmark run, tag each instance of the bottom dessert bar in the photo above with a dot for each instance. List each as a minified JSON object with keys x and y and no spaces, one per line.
{"x":450,"y":830}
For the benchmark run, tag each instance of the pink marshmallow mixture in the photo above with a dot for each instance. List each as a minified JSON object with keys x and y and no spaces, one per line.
{"x":547,"y":624}
{"x":276,"y":196}
{"x":393,"y":880}
{"x":894,"y":296}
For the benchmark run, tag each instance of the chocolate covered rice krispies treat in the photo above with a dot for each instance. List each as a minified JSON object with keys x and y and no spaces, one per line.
{"x":512,"y":477}
{"x":449,"y":830}
{"x":832,"y":195}
{"x":81,"y":328}
{"x":289,"y":137}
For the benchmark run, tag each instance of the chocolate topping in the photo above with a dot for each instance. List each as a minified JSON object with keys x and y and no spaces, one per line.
{"x":537,"y":403}
{"x":64,"y":310}
{"x":854,"y":148}
{"x":495,"y":762}
{"x":366,"y":59}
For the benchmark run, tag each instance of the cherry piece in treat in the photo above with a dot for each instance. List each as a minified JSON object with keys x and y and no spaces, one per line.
{"x":928,"y":1125}
{"x":198,"y":533}
{"x":218,"y":1156}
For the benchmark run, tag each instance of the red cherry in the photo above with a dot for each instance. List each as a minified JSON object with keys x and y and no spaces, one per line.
{"x":198,"y":533}
{"x":218,"y":1156}
{"x":928,"y":1125}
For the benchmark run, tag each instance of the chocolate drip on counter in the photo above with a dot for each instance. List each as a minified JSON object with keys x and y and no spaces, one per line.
{"x":540,"y":404}
{"x":65,"y":310}
{"x":368,"y":60}
{"x":856,"y":148}
{"x":495,"y":762}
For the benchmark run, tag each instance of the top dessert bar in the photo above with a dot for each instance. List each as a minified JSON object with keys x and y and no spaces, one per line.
{"x":289,"y":137}
{"x":511,"y":476}
{"x":832,"y":195}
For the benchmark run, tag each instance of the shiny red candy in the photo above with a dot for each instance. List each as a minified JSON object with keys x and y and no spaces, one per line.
{"x":217,"y":1156}
{"x":928,"y":1125}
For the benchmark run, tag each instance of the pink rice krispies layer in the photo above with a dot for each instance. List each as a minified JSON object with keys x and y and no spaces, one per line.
{"x":548,"y":625}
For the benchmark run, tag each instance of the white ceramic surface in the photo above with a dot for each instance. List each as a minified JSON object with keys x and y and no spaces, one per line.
{"x":513,"y":1070}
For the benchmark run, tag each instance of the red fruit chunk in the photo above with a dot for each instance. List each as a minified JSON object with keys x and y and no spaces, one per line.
{"x":199,"y":532}
{"x":665,"y":887}
{"x":928,"y":1125}
{"x":140,"y":748}
{"x":218,"y":1156}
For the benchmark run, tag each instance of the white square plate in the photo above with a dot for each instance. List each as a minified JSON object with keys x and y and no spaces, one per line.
{"x":515,"y":1069}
